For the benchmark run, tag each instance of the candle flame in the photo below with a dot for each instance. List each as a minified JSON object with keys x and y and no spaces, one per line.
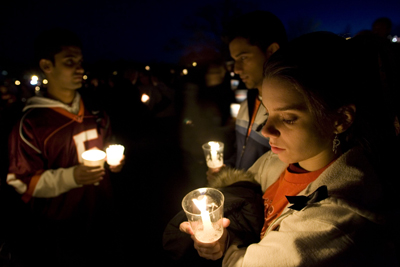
{"x":214,"y":145}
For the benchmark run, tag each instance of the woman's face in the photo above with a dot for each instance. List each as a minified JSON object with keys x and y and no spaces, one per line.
{"x":292,"y":128}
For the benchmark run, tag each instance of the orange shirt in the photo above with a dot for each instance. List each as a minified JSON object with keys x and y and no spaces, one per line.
{"x":291,"y":182}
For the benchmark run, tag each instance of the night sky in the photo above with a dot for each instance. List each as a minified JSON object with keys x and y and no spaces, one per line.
{"x":162,"y":31}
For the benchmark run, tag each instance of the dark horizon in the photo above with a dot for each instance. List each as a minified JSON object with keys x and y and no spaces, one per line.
{"x":159,"y":32}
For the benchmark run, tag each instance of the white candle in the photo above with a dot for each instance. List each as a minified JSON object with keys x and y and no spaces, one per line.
{"x":145,"y":98}
{"x":115,"y":154}
{"x":205,"y":215}
{"x":93,"y":158}
{"x":215,"y":162}
{"x":235,"y":109}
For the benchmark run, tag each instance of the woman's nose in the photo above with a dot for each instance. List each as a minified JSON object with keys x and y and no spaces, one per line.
{"x":269,"y":129}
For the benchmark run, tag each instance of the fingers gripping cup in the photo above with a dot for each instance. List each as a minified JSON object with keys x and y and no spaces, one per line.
{"x":204,"y":208}
{"x":93,"y":158}
{"x":214,"y":153}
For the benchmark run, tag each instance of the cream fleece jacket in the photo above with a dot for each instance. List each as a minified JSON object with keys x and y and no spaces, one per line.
{"x":345,"y":229}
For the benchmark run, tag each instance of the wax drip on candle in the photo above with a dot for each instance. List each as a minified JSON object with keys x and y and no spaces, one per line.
{"x":205,"y":215}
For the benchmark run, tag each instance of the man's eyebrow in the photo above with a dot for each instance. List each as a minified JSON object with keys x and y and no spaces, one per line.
{"x":72,"y":56}
{"x":240,"y":53}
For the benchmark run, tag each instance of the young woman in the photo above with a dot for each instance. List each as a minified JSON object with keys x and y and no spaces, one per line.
{"x":326,"y":178}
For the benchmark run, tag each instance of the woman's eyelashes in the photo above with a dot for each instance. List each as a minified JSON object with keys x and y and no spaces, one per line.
{"x":289,"y":121}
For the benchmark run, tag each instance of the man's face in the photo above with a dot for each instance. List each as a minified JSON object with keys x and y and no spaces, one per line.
{"x":249,"y":62}
{"x":67,"y":72}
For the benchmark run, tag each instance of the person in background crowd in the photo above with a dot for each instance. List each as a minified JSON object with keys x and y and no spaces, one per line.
{"x":252,"y":39}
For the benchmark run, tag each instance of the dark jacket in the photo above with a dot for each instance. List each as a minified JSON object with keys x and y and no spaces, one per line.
{"x":243,"y":206}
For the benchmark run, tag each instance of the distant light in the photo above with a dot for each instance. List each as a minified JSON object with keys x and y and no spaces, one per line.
{"x":145,"y":98}
{"x":147,"y":68}
{"x":234,"y":84}
{"x":37,"y":88}
{"x":17,"y":82}
{"x":348,"y":38}
{"x":184,"y":71}
{"x":232,"y":74}
{"x":34,"y":79}
{"x":194,"y":64}
{"x":4,"y":73}
{"x":188,"y":122}
{"x":45,"y":81}
{"x":84,"y":77}
{"x":115,"y":73}
{"x":394,"y":39}
{"x":172,"y":71}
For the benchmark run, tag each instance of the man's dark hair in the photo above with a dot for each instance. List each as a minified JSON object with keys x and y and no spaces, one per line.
{"x":260,"y":28}
{"x":52,"y":41}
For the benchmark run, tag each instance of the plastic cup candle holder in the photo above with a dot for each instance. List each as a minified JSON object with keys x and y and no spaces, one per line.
{"x":214,"y":153}
{"x":94,"y":158}
{"x":115,"y":154}
{"x":204,"y":208}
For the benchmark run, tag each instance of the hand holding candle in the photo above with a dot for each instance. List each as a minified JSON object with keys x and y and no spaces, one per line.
{"x":94,"y":158}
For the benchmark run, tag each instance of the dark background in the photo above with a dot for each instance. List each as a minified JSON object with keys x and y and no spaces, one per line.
{"x":165,"y":31}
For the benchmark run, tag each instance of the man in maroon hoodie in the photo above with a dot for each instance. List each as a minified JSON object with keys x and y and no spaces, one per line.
{"x":67,"y":201}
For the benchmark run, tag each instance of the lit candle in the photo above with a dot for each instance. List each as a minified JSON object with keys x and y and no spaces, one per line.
{"x":93,"y":158}
{"x":235,"y":109}
{"x":205,"y":216}
{"x":145,"y":98}
{"x":215,"y":162}
{"x":204,"y":208}
{"x":115,"y":154}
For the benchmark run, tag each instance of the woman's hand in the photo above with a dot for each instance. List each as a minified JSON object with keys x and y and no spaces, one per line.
{"x":210,"y":251}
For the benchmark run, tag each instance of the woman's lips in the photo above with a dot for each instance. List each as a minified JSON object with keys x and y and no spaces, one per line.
{"x":276,"y":150}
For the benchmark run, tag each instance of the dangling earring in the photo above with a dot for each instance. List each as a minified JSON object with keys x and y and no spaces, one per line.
{"x":336,"y":143}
